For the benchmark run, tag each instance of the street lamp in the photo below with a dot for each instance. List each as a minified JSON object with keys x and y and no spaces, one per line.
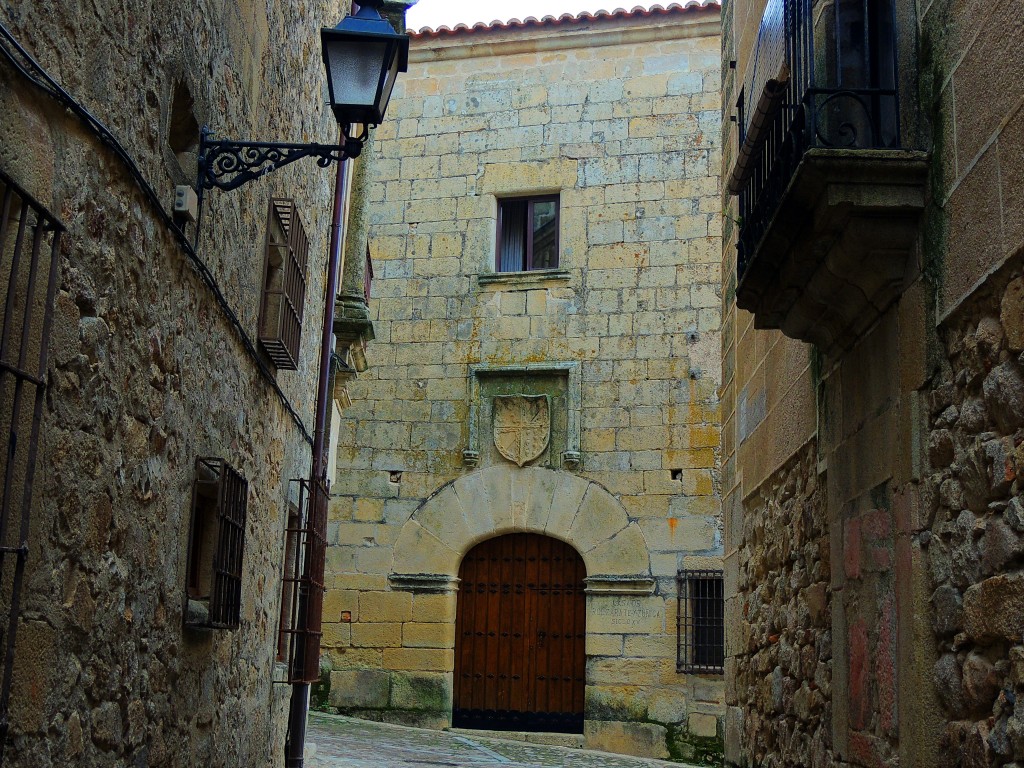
{"x":363,"y":56}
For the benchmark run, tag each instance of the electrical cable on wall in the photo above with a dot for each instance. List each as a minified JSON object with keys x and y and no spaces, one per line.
{"x":34,"y":72}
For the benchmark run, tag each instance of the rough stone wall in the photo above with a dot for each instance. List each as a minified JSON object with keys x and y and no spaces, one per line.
{"x":625,"y":128}
{"x":975,"y":544}
{"x":780,"y":637}
{"x":147,"y":373}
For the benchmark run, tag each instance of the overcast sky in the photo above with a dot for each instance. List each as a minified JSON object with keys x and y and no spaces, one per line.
{"x":434,"y":13}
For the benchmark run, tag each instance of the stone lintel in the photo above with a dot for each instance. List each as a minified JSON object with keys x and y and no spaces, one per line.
{"x":521,"y":281}
{"x":619,"y":585}
{"x":424,"y":583}
{"x":841,"y":246}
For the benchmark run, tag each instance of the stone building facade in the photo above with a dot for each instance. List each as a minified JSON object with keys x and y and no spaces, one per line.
{"x":608,"y":341}
{"x":873,"y":399}
{"x":153,"y":362}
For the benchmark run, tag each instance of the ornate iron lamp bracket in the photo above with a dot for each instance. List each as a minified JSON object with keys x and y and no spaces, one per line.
{"x":227,"y":165}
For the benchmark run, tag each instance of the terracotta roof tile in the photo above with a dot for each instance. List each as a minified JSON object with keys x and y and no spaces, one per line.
{"x":566,"y":18}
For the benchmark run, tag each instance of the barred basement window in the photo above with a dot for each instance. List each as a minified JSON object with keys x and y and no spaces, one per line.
{"x":213,"y":590}
{"x":700,"y":622}
{"x":527,"y":233}
{"x":284,"y":284}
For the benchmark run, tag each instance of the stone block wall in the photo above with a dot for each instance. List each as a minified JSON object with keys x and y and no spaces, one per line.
{"x":619,"y":117}
{"x":148,"y":370}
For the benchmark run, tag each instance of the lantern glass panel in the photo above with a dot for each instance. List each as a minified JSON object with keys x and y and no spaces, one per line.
{"x":392,"y":77}
{"x":355,"y":69}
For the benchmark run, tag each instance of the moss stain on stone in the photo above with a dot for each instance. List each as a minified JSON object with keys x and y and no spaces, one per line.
{"x":699,"y":750}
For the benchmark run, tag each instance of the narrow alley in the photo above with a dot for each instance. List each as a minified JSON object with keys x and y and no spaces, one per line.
{"x":345,"y":742}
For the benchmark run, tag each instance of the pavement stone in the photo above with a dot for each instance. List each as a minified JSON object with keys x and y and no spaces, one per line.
{"x":346,"y":742}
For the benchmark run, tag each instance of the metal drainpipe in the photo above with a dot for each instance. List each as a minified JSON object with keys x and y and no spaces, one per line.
{"x":299,"y":706}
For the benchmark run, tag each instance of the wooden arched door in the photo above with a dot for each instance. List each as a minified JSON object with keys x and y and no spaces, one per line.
{"x":520,"y":634}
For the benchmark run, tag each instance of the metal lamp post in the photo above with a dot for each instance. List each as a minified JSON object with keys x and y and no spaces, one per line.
{"x":362,"y":56}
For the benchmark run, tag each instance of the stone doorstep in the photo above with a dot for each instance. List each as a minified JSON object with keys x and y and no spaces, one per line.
{"x":562,"y":740}
{"x":568,"y":740}
{"x":470,"y":734}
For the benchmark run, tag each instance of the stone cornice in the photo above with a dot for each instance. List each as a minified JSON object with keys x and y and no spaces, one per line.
{"x":701,"y":23}
{"x":619,"y":585}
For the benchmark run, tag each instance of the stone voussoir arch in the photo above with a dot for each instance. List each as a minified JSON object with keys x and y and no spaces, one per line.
{"x":503,"y":499}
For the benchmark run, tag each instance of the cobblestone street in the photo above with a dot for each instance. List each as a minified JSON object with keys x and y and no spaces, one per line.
{"x":343,"y":742}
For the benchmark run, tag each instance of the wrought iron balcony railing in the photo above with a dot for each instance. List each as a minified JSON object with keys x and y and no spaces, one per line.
{"x":824,"y":76}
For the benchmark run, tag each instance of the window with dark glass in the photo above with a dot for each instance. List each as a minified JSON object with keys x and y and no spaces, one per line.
{"x":368,"y":276}
{"x":527,"y":233}
{"x":213,"y":589}
{"x":818,"y":80}
{"x":700,"y":628}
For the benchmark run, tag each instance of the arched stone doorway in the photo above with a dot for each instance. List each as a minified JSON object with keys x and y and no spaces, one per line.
{"x":520,"y":636}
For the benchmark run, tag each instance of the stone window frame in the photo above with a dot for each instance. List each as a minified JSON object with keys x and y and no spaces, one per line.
{"x":571,"y":457}
{"x":216,"y":546}
{"x":527,"y":257}
{"x":700,"y":634}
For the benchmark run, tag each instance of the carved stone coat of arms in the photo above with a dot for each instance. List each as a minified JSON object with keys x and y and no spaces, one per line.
{"x":522,"y":426}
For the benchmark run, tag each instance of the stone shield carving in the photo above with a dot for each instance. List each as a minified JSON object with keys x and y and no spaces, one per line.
{"x":522,"y":426}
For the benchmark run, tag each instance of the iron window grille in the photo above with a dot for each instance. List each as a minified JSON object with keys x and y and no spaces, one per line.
{"x":814,"y":83}
{"x":527,"y":233}
{"x":700,"y":622}
{"x":292,"y":565}
{"x":286,"y":255}
{"x":30,"y":240}
{"x":213,"y":590}
{"x":302,"y":593}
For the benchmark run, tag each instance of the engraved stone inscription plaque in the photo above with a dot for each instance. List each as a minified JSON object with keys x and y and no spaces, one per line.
{"x":627,"y":615}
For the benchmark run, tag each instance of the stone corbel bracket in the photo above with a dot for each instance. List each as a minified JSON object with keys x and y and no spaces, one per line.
{"x":352,"y":329}
{"x":619,"y":585}
{"x":352,"y":324}
{"x":840,"y":247}
{"x":424,"y":583}
{"x":572,"y":457}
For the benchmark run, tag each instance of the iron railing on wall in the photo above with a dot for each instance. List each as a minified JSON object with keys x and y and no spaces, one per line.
{"x":829,"y":83}
{"x":700,"y":621}
{"x":29,"y":249}
{"x":303,"y":585}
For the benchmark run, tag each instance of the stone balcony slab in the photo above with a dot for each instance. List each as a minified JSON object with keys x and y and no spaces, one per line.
{"x":841,"y":246}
